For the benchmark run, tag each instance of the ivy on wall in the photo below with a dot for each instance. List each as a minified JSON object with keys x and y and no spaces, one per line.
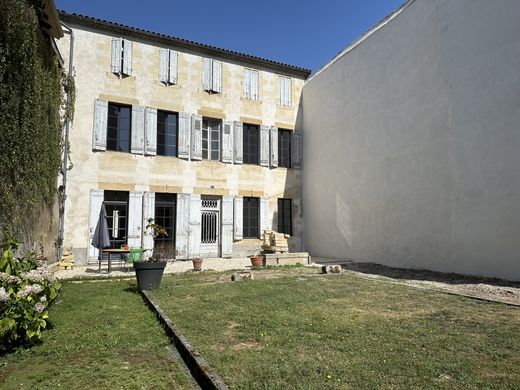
{"x":31,"y":100}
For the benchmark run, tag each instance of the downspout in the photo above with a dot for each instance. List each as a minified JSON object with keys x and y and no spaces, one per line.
{"x":62,"y":191}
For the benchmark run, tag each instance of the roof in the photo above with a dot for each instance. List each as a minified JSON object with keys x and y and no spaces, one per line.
{"x":212,"y":51}
{"x":48,"y":19}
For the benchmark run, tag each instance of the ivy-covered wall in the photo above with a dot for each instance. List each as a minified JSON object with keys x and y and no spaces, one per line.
{"x":31,"y":99}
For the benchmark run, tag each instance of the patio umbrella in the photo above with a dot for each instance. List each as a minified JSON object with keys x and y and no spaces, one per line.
{"x":101,"y":237}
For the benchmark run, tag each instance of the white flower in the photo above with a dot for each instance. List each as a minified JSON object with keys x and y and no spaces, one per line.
{"x":4,"y":296}
{"x":39,"y":307}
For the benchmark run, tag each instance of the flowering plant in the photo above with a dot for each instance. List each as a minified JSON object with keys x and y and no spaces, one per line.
{"x":27,"y":288}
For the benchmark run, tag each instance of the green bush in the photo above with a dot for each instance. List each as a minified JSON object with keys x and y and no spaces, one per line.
{"x":27,"y":288}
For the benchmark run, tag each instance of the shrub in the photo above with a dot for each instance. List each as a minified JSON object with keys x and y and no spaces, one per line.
{"x":27,"y":289}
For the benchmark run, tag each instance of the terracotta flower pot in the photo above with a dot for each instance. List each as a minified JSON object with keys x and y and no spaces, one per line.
{"x":197,"y":264}
{"x":257,"y":261}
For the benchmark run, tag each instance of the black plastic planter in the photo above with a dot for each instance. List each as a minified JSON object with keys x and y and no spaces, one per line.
{"x":149,"y":274}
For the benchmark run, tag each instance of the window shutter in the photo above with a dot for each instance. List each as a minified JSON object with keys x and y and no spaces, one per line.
{"x":127,"y":57}
{"x":196,"y":137}
{"x":254,"y":84}
{"x":150,"y":131}
{"x":206,"y":74}
{"x":217,"y":76}
{"x":137,"y":144}
{"x":184,"y":135}
{"x":96,"y":200}
{"x":297,"y":149}
{"x":182,"y":225}
{"x":148,"y":212}
{"x":238,"y":148}
{"x":247,"y":83}
{"x":135,"y":218}
{"x":288,"y":90}
{"x":227,"y":226}
{"x":116,"y":55}
{"x":274,"y":147}
{"x":281,"y":90}
{"x":173,"y":67}
{"x":195,"y":221}
{"x":227,"y":142}
{"x":264,"y":216}
{"x":238,"y":218}
{"x":264,"y":146}
{"x":99,"y":136}
{"x":164,"y":65}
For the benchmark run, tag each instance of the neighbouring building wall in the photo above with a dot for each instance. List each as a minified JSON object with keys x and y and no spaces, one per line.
{"x":412,"y":143}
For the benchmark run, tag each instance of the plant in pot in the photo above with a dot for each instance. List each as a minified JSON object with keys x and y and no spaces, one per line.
{"x":149,"y":272}
{"x":257,"y":260}
{"x":197,"y":264}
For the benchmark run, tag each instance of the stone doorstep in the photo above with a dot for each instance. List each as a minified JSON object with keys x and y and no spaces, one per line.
{"x":287,"y":258}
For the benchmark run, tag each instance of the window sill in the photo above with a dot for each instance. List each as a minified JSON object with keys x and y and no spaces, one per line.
{"x":169,"y":86}
{"x":284,"y":107}
{"x":252,"y":101}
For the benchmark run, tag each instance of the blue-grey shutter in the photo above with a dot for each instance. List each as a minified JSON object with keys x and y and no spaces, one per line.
{"x":196,"y":137}
{"x":264,"y":216}
{"x":217,"y":76}
{"x":238,"y":147}
{"x":99,"y":134}
{"x":184,"y":135}
{"x":297,"y":149}
{"x":148,"y":212}
{"x":173,"y":67}
{"x":281,"y":91}
{"x":274,"y":147}
{"x":96,"y":200}
{"x":150,"y":130}
{"x":247,"y":83}
{"x":254,"y":84}
{"x":227,"y":226}
{"x":288,"y":92}
{"x":206,"y":74}
{"x":238,"y":218}
{"x":195,"y":222}
{"x":135,"y":219}
{"x":127,"y":57}
{"x":182,"y":225}
{"x":264,"y":146}
{"x":164,"y":65}
{"x":137,"y":142}
{"x":116,"y":55}
{"x":227,"y":142}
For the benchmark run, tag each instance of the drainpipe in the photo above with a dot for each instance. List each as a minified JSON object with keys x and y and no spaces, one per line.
{"x":62,"y":191}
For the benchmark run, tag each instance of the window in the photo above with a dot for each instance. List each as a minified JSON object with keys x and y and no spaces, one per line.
{"x":167,"y":66}
{"x":167,"y":133}
{"x":116,"y":206}
{"x":250,"y":84}
{"x":285,"y":216}
{"x":211,"y":139}
{"x":251,"y":144}
{"x":284,"y":148}
{"x":165,"y":215}
{"x":121,"y":56}
{"x":212,"y":75}
{"x":119,"y":127}
{"x":284,"y":86}
{"x":251,"y":220}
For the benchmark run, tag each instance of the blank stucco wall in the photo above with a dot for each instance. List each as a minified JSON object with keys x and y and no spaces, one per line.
{"x":412,"y":143}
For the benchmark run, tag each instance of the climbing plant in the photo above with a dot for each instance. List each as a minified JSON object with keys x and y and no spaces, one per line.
{"x":32,"y":102}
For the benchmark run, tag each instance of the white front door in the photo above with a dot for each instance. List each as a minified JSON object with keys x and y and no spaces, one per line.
{"x":210,"y":226}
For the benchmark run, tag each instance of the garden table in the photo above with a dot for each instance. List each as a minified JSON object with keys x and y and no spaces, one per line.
{"x":110,"y":252}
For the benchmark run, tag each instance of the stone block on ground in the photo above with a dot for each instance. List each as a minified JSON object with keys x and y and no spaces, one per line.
{"x":242,"y":275}
{"x":331,"y":269}
{"x":287,"y":258}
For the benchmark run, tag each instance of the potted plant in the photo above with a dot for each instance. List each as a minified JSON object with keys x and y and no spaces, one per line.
{"x":257,"y":260}
{"x":149,"y":272}
{"x":197,"y":264}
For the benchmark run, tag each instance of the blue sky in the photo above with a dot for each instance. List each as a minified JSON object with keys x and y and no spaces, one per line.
{"x":304,"y":33}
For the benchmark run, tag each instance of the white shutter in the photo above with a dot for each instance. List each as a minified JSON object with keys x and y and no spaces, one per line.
{"x":184,"y":135}
{"x":217,"y":76}
{"x":150,"y":118}
{"x":182,"y":227}
{"x":148,"y":212}
{"x":274,"y":147}
{"x":297,"y":149}
{"x":254,"y":84}
{"x":238,"y":147}
{"x":227,"y":142}
{"x":195,"y":222}
{"x":116,"y":55}
{"x":288,"y":92}
{"x":135,"y":218}
{"x":264,"y":146}
{"x":127,"y":57}
{"x":137,"y":143}
{"x":99,"y":136}
{"x":173,"y":67}
{"x":206,"y":74}
{"x":227,"y":226}
{"x":196,"y":137}
{"x":247,"y":83}
{"x":164,"y":65}
{"x":264,"y":216}
{"x":238,"y":218}
{"x":281,"y":90}
{"x":96,"y":200}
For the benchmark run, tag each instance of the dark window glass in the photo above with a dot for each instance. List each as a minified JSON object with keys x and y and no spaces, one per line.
{"x":285,"y":216}
{"x":165,"y":215}
{"x":166,"y":133}
{"x":251,"y":145}
{"x":118,"y":129}
{"x":211,"y":139}
{"x":251,"y":220}
{"x":116,"y":206}
{"x":284,"y":148}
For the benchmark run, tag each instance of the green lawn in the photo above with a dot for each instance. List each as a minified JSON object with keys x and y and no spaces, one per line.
{"x":296,"y":329}
{"x":102,"y":337}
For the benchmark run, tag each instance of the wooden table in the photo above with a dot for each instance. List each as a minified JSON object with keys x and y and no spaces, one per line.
{"x":110,"y":252}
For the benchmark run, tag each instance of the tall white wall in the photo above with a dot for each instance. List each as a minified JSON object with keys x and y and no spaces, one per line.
{"x":412,"y":143}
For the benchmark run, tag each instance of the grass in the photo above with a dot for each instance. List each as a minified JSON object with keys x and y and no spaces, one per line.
{"x":295,"y":329}
{"x":102,"y":337}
